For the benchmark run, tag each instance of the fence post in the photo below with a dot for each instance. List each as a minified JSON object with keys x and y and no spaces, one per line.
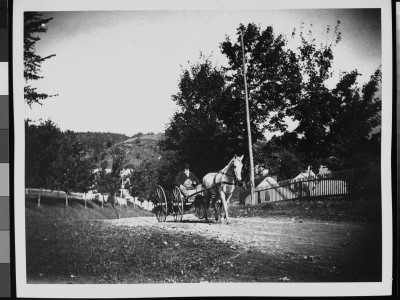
{"x":300,"y":184}
{"x":40,"y":191}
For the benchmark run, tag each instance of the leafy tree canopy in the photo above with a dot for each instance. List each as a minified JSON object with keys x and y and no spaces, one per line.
{"x":55,"y":159}
{"x":196,"y":132}
{"x":333,"y":123}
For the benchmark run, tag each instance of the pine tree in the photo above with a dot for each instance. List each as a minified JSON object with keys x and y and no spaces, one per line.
{"x":33,"y":25}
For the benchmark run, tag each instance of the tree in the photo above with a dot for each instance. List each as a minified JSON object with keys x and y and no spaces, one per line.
{"x":55,"y":159}
{"x":356,"y":114}
{"x":143,"y":179}
{"x":72,"y":172}
{"x":119,"y":161}
{"x":279,"y":158}
{"x":332,"y":122}
{"x":312,"y":108}
{"x":211,"y":126}
{"x":42,"y":144}
{"x":273,"y":78}
{"x":33,"y":24}
{"x":196,"y":132}
{"x":101,"y":181}
{"x":283,"y":84}
{"x":335,"y":125}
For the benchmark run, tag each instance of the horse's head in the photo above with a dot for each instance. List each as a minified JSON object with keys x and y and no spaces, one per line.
{"x":237,"y":167}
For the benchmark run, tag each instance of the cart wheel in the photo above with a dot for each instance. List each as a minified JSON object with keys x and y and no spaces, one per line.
{"x":162,"y":209}
{"x":177,"y":200}
{"x":159,"y":213}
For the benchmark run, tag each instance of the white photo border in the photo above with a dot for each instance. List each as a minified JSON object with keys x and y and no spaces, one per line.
{"x":201,"y":289}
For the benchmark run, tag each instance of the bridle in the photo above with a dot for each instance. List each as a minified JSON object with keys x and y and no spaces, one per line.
{"x":235,"y":180}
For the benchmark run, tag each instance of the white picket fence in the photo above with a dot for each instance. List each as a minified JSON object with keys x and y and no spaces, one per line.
{"x":147,"y":205}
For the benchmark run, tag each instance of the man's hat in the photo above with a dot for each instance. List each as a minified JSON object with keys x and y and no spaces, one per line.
{"x":186,"y":166}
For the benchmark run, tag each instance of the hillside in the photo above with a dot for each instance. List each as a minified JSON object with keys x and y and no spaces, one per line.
{"x":138,"y":147}
{"x":143,"y":147}
{"x":98,"y":142}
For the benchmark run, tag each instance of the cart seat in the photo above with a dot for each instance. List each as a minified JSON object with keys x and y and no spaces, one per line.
{"x":189,"y":199}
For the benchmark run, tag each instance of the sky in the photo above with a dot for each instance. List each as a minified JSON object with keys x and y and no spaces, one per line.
{"x":115,"y":71}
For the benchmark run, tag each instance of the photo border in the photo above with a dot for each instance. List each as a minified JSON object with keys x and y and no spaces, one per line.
{"x":198,"y":289}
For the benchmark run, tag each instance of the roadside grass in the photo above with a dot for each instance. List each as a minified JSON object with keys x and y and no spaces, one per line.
{"x":333,"y":210}
{"x":52,"y":207}
{"x":76,"y":251}
{"x":74,"y":245}
{"x":93,"y":252}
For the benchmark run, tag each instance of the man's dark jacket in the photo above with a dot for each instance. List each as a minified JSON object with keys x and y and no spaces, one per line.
{"x":181,"y":178}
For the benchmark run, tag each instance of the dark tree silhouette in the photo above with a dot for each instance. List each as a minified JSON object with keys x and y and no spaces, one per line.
{"x":33,"y":25}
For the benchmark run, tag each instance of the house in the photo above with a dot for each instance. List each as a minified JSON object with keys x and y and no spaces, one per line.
{"x":269,"y":191}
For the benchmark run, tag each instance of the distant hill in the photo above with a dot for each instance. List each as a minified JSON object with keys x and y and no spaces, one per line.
{"x":98,"y":141}
{"x":143,"y":147}
{"x":139,"y":147}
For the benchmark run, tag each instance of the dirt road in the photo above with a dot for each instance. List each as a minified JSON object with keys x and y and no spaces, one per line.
{"x":305,"y":250}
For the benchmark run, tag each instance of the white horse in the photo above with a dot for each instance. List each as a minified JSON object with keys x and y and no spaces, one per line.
{"x":222,"y":184}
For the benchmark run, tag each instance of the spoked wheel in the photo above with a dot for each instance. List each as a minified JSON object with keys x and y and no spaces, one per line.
{"x":162,"y":210}
{"x":177,"y":200}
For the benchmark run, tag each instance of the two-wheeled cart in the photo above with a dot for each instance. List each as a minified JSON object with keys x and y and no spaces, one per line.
{"x":178,"y":203}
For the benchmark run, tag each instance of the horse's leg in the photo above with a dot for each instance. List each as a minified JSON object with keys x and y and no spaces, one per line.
{"x":214,"y":204}
{"x":223,"y":199}
{"x":225,"y":203}
{"x":226,"y":207}
{"x":215,"y":200}
{"x":206,"y":204}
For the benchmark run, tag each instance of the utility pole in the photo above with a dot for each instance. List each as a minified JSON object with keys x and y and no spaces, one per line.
{"x":248,"y":125}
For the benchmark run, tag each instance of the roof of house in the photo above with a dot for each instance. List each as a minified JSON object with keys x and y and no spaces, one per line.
{"x":267,"y":182}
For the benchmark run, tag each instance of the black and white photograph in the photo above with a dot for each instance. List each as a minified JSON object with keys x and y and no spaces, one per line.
{"x":202,"y":148}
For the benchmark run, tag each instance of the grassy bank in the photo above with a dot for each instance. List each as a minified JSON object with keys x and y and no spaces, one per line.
{"x":55,"y":208}
{"x":319,"y":210}
{"x":72,"y":245}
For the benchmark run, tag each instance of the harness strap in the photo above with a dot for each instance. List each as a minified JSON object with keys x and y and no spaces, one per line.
{"x":226,"y":182}
{"x":235,"y":181}
{"x":230,"y":183}
{"x":226,"y":174}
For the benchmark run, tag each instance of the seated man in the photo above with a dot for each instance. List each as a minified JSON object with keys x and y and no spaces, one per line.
{"x":187,"y":182}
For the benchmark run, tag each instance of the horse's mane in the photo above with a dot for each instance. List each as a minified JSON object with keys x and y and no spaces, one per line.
{"x":228,"y":166}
